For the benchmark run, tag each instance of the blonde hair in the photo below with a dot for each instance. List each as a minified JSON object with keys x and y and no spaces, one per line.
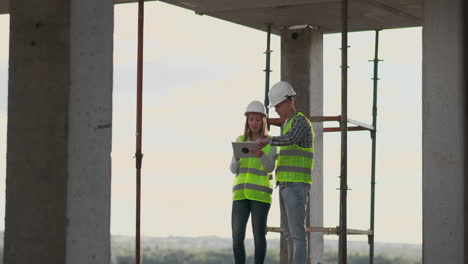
{"x":263,"y":131}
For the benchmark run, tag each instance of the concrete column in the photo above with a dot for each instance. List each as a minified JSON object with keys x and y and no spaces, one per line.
{"x":302,"y":67}
{"x":444,"y":133}
{"x":59,"y":132}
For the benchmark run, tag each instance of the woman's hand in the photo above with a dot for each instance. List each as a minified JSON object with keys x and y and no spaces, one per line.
{"x":262,"y":142}
{"x":257,"y":152}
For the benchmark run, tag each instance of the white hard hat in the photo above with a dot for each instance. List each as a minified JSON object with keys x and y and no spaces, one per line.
{"x":255,"y":107}
{"x":280,"y":92}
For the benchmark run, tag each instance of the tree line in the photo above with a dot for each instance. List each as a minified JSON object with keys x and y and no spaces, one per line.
{"x":174,"y":256}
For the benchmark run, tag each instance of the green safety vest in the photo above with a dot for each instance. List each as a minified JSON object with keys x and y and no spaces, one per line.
{"x":253,"y":181}
{"x":295,"y":163}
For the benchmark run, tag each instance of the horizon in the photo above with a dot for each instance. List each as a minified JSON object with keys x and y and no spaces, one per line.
{"x":247,"y":238}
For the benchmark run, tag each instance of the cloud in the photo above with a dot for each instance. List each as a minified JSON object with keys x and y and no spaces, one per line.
{"x":4,"y":36}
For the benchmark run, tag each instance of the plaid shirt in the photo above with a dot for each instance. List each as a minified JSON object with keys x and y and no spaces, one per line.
{"x":299,"y":134}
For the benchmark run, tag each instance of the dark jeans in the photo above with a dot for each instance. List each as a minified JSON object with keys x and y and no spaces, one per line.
{"x":241,"y":210}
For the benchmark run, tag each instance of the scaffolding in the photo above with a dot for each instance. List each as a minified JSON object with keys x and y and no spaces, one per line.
{"x":342,"y":231}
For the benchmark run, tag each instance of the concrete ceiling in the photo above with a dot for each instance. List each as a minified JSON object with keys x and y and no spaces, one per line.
{"x":4,"y":6}
{"x":323,"y":14}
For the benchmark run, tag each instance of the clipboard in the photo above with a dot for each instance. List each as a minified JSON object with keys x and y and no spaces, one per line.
{"x":242,"y":149}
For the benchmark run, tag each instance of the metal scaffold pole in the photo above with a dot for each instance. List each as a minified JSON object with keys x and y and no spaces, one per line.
{"x":373,"y":136}
{"x":267,"y":67}
{"x":344,"y":136}
{"x":138,"y":153}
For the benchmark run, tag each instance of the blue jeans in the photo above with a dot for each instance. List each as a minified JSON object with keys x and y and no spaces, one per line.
{"x":293,"y":198}
{"x":241,"y":209}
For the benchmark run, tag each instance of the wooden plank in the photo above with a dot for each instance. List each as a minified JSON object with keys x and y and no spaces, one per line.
{"x":325,"y":230}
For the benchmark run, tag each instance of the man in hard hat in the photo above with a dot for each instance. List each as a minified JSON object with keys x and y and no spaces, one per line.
{"x":294,"y":168}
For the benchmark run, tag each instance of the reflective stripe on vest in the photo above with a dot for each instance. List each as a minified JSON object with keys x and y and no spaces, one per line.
{"x":252,"y":187}
{"x":253,"y":171}
{"x":295,"y":163}
{"x":296,"y":152}
{"x":252,"y":181}
{"x":294,"y":169}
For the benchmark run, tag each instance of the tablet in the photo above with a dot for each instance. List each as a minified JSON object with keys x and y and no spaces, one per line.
{"x":242,"y":149}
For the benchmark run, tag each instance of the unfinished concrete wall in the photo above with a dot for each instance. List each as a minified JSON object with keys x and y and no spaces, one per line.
{"x":302,"y":66}
{"x":59,"y":132}
{"x":443,"y":133}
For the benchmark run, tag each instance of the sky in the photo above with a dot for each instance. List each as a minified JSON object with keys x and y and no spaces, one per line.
{"x":199,"y":75}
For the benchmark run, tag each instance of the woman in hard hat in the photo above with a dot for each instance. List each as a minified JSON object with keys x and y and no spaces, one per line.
{"x":252,"y":188}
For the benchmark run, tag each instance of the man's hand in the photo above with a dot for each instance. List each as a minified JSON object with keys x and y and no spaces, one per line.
{"x":257,"y":152}
{"x":262,"y":143}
